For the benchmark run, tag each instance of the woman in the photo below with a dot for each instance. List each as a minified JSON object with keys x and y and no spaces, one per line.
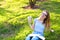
{"x":39,"y":25}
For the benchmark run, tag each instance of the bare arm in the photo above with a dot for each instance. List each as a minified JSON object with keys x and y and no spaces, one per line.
{"x":32,"y":26}
{"x":30,"y":22}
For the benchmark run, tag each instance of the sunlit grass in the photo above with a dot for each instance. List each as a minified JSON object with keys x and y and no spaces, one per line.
{"x":13,"y":19}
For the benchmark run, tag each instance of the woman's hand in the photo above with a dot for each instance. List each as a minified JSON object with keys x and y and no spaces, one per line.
{"x":30,"y":22}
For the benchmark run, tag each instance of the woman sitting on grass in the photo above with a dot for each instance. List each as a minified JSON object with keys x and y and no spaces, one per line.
{"x":39,"y":25}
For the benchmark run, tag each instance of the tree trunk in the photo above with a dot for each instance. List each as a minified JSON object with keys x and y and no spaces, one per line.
{"x":32,"y":3}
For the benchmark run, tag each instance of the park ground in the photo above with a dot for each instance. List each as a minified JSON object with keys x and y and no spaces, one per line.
{"x":13,"y":19}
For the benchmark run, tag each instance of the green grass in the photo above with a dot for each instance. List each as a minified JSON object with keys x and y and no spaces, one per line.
{"x":13,"y":19}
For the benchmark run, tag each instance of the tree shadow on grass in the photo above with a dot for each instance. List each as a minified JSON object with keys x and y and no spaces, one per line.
{"x":10,"y":30}
{"x":52,"y":36}
{"x":51,"y":6}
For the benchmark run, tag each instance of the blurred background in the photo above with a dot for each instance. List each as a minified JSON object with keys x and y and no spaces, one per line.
{"x":14,"y":13}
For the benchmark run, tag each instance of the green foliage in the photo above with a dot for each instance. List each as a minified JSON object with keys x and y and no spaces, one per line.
{"x":13,"y":19}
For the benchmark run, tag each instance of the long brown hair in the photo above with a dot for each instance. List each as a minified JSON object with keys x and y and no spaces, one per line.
{"x":47,"y":20}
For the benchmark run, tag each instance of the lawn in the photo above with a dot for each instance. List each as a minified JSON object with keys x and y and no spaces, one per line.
{"x":13,"y":19}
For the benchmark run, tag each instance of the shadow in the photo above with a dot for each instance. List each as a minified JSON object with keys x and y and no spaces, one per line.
{"x":51,"y":6}
{"x":29,"y":7}
{"x":9,"y":29}
{"x":53,"y":35}
{"x":1,"y":0}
